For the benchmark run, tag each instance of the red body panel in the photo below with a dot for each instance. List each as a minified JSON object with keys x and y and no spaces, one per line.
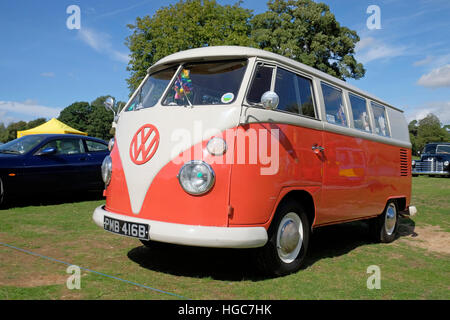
{"x":351,"y":179}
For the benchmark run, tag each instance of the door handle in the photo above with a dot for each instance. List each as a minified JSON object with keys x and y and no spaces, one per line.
{"x":317,"y":149}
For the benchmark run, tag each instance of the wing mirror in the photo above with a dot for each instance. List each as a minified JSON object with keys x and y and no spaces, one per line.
{"x":270,"y":100}
{"x":110,"y":105}
{"x":47,"y":151}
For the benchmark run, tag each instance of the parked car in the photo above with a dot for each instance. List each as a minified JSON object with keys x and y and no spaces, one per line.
{"x":51,"y":162}
{"x":434,"y":160}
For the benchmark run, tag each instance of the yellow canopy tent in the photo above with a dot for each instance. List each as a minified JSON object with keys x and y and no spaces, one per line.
{"x":52,"y":126}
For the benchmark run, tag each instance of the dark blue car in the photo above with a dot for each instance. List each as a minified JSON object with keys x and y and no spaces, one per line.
{"x":49,"y":163}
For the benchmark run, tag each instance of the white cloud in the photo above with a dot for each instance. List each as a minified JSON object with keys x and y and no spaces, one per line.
{"x":48,"y":74}
{"x":440,"y":109}
{"x":27,"y":110}
{"x":369,"y":49}
{"x":437,"y":78}
{"x":101,"y":42}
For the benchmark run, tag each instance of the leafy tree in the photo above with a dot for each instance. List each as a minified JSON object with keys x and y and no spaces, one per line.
{"x":425,"y":131}
{"x":100,"y":120}
{"x":76,"y":115}
{"x":308,"y":32}
{"x":302,"y":30}
{"x":11,"y":130}
{"x":2,"y":132}
{"x":185,"y":25}
{"x":35,"y":123}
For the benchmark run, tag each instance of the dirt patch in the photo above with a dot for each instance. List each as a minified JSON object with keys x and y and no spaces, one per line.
{"x":432,"y":238}
{"x":35,"y":281}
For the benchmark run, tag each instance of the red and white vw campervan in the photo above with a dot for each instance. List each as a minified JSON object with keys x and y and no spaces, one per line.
{"x":241,"y":148}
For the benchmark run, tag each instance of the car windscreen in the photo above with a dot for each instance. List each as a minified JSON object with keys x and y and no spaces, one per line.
{"x":443,"y":149}
{"x":429,"y":149}
{"x":206,"y":83}
{"x":21,"y":145}
{"x":152,"y":89}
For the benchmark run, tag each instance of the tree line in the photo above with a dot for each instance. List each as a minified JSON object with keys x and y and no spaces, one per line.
{"x":91,"y":118}
{"x":426,"y":130}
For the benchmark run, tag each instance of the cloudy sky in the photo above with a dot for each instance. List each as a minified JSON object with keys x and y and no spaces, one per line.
{"x":45,"y":66}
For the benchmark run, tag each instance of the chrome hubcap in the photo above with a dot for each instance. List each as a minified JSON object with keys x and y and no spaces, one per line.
{"x":390,"y":219}
{"x":289,"y":237}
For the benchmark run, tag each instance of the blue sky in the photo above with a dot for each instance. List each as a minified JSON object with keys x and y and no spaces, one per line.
{"x":44,"y":66}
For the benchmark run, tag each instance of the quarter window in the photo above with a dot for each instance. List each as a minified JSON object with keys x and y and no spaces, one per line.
{"x":261,"y":83}
{"x":94,"y":146}
{"x":334,"y":105}
{"x":379,"y":115}
{"x":360,"y":115}
{"x":295,"y":93}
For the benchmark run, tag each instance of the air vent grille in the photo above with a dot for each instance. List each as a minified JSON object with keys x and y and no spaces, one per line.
{"x":404,"y":163}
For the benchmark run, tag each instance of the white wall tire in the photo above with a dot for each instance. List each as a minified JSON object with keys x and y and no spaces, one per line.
{"x":285,"y":252}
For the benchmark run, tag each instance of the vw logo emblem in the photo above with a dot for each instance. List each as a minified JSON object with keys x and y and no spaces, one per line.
{"x":144,"y":144}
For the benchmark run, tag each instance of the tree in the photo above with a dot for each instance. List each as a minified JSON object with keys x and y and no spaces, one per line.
{"x":100,"y":120}
{"x":425,"y":131}
{"x":185,"y":25}
{"x":35,"y":123}
{"x":308,"y":32}
{"x":11,"y":130}
{"x":76,"y":115}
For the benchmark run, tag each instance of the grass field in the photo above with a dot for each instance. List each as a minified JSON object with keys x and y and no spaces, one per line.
{"x":415,"y":266}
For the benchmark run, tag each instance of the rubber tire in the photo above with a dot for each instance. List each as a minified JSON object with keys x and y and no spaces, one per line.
{"x":2,"y":194}
{"x":379,"y":229}
{"x":267,"y":257}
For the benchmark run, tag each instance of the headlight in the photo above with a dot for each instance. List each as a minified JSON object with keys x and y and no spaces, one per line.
{"x":446,"y":163}
{"x":413,"y":163}
{"x":107,"y":170}
{"x":111,"y":144}
{"x":216,"y":146}
{"x":196,"y":177}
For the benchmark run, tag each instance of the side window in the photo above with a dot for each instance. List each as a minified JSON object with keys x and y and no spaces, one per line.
{"x":295,"y":93}
{"x":94,"y":146}
{"x":261,"y":83}
{"x":379,"y":115}
{"x":334,"y":105}
{"x":66,"y":146}
{"x":359,"y":110}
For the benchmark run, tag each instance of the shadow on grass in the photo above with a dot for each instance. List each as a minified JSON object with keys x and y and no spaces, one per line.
{"x":239,"y":264}
{"x":54,"y":198}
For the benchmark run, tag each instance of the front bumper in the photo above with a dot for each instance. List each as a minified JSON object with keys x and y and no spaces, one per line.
{"x":201,"y":236}
{"x":437,"y":173}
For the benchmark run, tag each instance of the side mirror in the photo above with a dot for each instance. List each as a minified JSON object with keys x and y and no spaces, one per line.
{"x":270,"y":100}
{"x":110,"y":104}
{"x":47,"y":151}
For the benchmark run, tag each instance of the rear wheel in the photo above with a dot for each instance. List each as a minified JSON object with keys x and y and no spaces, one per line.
{"x":385,"y":226}
{"x":286,"y":249}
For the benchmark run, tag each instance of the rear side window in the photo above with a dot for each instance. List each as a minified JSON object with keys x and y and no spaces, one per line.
{"x":295,"y":93}
{"x":334,"y":105}
{"x":360,"y":114}
{"x":379,"y":116}
{"x":94,"y":146}
{"x":261,"y":83}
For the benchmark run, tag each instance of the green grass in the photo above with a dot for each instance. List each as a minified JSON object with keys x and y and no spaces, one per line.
{"x":336,"y":266}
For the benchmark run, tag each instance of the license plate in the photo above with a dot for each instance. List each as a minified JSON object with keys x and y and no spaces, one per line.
{"x":126,"y":228}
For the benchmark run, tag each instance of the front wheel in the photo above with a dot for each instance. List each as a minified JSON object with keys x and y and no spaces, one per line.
{"x":286,"y":249}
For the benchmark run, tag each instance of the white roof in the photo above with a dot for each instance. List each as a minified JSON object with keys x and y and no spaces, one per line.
{"x":230,"y":52}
